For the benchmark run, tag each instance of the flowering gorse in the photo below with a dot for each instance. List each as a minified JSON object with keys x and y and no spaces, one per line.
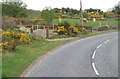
{"x":10,"y":40}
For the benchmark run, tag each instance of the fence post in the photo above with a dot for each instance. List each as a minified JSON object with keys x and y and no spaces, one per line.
{"x":47,"y":32}
{"x":44,"y":32}
{"x":31,"y":30}
{"x":37,"y":27}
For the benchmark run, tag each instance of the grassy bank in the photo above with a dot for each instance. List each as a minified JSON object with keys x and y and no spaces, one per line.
{"x":89,"y":23}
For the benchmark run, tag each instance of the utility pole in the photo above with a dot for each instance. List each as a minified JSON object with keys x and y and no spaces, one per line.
{"x":60,"y":16}
{"x":81,"y":14}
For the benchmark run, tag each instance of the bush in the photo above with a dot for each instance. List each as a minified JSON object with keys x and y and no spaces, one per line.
{"x":73,"y":31}
{"x":77,"y":25}
{"x":10,"y":40}
{"x":8,"y":22}
{"x":57,"y":36}
{"x":114,"y":27}
{"x":65,"y":24}
{"x":102,"y":28}
{"x":34,"y":37}
{"x":83,"y":30}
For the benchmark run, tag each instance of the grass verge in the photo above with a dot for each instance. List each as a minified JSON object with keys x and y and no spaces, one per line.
{"x":83,"y":35}
{"x":58,"y":36}
{"x":14,"y":63}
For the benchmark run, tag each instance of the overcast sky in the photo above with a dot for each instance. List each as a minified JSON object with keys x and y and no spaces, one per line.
{"x":104,"y":5}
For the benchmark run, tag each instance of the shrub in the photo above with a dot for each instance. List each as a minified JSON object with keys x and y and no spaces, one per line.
{"x":78,"y":25}
{"x":83,"y":30}
{"x":34,"y":37}
{"x":114,"y":27}
{"x":56,"y":36}
{"x":102,"y":28}
{"x":8,"y":22}
{"x":73,"y":31}
{"x":10,"y":40}
{"x":61,"y":30}
{"x":65,"y":24}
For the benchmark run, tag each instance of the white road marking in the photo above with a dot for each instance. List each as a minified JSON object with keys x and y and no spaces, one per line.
{"x":99,"y":46}
{"x":93,"y":54}
{"x":106,"y":41}
{"x":96,"y":72}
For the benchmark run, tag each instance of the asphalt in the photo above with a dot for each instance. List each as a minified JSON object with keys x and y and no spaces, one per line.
{"x":75,"y":59}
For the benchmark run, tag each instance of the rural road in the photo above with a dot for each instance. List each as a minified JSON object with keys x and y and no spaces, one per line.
{"x":95,"y":56}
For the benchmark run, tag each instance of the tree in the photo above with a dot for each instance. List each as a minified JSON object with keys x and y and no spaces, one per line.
{"x":85,"y":15}
{"x":108,"y":14}
{"x":116,"y":8}
{"x":13,"y":8}
{"x":22,"y":14}
{"x":48,"y":15}
{"x":33,"y":13}
{"x":63,"y":10}
{"x":57,"y":10}
{"x":92,"y":10}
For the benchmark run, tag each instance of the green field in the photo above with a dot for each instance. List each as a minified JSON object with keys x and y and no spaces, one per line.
{"x":89,"y":23}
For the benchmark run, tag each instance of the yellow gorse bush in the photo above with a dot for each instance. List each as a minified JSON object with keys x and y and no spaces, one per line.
{"x":21,"y":35}
{"x":74,"y":29}
{"x":7,"y":33}
{"x":83,"y":29}
{"x":11,"y":40}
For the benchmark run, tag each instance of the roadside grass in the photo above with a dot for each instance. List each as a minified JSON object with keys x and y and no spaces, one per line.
{"x":54,"y":36}
{"x":83,"y":35}
{"x":14,"y":63}
{"x":89,"y":23}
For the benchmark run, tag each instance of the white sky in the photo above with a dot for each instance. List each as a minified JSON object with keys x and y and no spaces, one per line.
{"x":104,"y":5}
